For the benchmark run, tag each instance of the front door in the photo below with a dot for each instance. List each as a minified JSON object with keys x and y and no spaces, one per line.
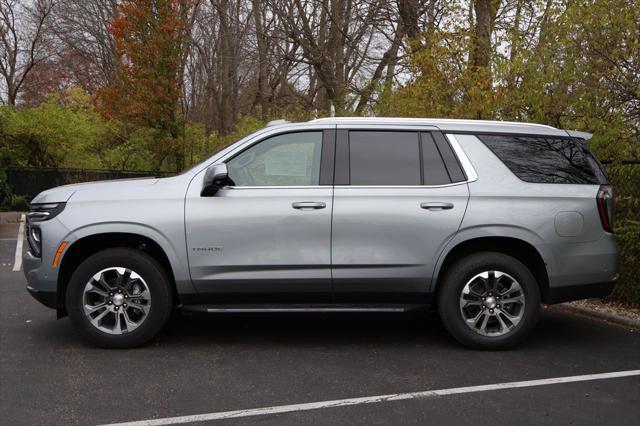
{"x":399,"y":197}
{"x":268,"y":235}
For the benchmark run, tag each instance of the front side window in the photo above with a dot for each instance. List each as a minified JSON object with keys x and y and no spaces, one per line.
{"x":546,"y":160}
{"x":291,"y":159}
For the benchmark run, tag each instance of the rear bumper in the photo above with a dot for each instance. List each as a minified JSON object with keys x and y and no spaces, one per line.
{"x":577,"y":292}
{"x":580,"y":270}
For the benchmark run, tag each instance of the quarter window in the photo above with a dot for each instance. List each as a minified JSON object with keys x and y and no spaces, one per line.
{"x":291,"y":159}
{"x":546,"y":160}
{"x":434,"y":171}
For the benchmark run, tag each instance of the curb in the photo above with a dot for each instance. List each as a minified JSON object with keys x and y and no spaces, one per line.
{"x":606,"y":316}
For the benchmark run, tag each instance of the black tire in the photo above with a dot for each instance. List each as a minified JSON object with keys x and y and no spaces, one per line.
{"x":459,"y":274}
{"x":156,"y":280}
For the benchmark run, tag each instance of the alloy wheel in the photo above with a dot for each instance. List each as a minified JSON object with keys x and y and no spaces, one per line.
{"x":116,"y":300}
{"x":492,"y":303}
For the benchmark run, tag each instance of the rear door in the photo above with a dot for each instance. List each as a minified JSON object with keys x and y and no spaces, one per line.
{"x":399,"y":196}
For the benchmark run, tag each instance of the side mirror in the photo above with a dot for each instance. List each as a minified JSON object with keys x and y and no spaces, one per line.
{"x":215,"y":178}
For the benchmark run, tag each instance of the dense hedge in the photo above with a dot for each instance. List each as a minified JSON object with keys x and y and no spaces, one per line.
{"x":625,"y":179}
{"x":628,"y":288}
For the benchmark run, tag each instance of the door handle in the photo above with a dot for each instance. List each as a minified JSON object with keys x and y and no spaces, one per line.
{"x":436,"y":206}
{"x":308,"y":205}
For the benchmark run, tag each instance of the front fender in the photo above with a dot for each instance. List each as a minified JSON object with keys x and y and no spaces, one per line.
{"x":174,"y":251}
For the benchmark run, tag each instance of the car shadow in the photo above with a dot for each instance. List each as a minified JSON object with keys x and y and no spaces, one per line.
{"x":556,"y":331}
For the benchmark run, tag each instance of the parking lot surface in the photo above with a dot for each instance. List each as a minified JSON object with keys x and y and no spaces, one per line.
{"x":214,"y":364}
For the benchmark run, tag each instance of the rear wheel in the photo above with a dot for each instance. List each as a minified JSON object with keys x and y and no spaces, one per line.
{"x":489,"y":301}
{"x":119,"y":298}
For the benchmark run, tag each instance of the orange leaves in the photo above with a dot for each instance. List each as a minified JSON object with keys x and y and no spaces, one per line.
{"x":150,"y":39}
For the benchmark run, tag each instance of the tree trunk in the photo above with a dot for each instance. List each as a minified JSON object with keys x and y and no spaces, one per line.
{"x":485,"y":11}
{"x":409,"y":11}
{"x":480,"y":54}
{"x":261,"y":43}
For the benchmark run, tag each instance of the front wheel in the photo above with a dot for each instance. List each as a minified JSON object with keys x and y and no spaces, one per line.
{"x":489,"y":301}
{"x":119,"y":298}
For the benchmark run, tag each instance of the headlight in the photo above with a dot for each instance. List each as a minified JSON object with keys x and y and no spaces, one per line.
{"x":39,"y":213}
{"x":45,"y":211}
{"x":34,"y":239}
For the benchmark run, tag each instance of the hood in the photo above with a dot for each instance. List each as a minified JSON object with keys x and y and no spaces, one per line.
{"x":62,"y":194}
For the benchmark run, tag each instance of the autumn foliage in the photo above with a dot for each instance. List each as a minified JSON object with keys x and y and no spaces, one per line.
{"x":150,"y":37}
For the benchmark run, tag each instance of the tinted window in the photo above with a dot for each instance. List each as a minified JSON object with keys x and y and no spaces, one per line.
{"x":545,"y":160}
{"x":434,"y":171}
{"x":384,"y":158}
{"x":450,"y":161}
{"x":292,"y":159}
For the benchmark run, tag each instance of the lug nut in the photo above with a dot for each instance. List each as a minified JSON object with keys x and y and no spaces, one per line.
{"x":117,"y":308}
{"x":125,"y":296}
{"x":490,"y":310}
{"x":484,"y":307}
{"x":125,"y":305}
{"x":110,"y":302}
{"x":496,"y":306}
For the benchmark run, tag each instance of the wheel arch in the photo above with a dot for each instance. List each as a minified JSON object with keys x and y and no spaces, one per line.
{"x":84,"y":247}
{"x":518,"y":248}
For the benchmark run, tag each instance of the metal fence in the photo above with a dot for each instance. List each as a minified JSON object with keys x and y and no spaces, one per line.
{"x":28,"y":181}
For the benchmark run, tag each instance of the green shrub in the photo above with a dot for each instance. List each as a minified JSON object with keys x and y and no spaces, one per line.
{"x":625,"y":179}
{"x":628,"y":288}
{"x":19,"y":203}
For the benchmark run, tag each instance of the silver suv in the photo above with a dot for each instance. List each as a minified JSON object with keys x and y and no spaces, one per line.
{"x":486,"y":220}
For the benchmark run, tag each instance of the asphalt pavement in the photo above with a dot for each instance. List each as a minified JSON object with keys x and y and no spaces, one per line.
{"x":216,"y":364}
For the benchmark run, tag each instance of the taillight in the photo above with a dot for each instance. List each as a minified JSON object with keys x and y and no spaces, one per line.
{"x":605,"y":207}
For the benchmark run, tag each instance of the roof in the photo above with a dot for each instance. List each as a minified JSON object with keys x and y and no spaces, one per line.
{"x":449,"y":125}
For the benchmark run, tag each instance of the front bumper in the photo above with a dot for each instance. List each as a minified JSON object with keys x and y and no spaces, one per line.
{"x":42,"y":281}
{"x":47,"y":298}
{"x":41,"y":275}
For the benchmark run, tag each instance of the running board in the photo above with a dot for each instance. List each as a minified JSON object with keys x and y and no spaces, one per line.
{"x":292,"y":308}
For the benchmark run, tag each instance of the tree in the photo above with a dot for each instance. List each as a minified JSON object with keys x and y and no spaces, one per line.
{"x":151,"y":39}
{"x":85,"y":48}
{"x":23,"y":33}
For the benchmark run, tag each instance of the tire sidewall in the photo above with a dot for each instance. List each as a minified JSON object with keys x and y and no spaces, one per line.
{"x":458,"y":276}
{"x":154,"y":277}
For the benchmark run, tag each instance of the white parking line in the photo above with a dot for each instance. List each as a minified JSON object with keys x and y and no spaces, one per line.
{"x":279,"y":409}
{"x":17,"y":261}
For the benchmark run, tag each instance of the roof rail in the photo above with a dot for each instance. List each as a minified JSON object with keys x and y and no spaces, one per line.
{"x":434,"y":121}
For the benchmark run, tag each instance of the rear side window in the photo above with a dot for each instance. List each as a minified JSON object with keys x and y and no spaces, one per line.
{"x":546,"y":160}
{"x":440,"y":165}
{"x":396,"y":158}
{"x":384,"y":158}
{"x":433,"y":169}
